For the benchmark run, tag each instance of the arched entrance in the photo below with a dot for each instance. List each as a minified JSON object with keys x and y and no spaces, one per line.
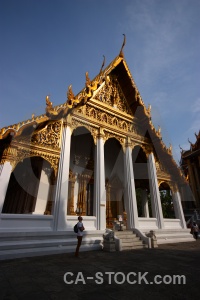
{"x":81,"y":173}
{"x":29,"y":189}
{"x":166,"y":200}
{"x":114,"y":174}
{"x":141,"y":177}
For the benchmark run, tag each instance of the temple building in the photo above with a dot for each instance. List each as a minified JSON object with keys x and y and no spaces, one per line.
{"x":97,"y":155}
{"x":190,"y":165}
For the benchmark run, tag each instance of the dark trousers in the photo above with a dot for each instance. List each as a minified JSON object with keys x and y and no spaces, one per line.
{"x":79,"y":238}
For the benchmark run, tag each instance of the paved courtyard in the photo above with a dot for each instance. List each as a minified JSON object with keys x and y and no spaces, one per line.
{"x":121,"y":275}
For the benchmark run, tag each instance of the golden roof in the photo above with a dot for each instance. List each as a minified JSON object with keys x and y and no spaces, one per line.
{"x":118,"y":68}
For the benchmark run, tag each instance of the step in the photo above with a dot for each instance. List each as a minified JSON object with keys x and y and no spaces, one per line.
{"x":124,"y":234}
{"x":26,"y":244}
{"x":133,"y":247}
{"x":172,"y":241}
{"x":44,"y":243}
{"x":129,"y":240}
{"x":19,"y":253}
{"x":166,"y":236}
{"x":132,"y":243}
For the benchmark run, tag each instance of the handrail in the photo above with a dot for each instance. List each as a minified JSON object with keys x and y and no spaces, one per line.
{"x":195,"y":217}
{"x":143,"y":237}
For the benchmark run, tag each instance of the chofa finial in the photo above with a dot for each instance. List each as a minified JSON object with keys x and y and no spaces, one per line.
{"x":70,"y":94}
{"x":181,"y":148}
{"x":121,"y":54}
{"x":104,"y":59}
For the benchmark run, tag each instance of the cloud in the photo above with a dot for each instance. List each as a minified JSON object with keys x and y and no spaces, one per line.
{"x":161,"y":30}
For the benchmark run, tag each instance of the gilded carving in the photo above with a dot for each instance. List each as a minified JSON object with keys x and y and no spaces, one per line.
{"x":23,"y":153}
{"x":112,"y":95}
{"x":172,"y":185}
{"x":44,"y":143}
{"x":157,"y":165}
{"x":48,"y":136}
{"x":124,"y":125}
{"x":9,"y":154}
{"x":72,"y":179}
{"x":104,"y":118}
{"x":109,"y":135}
{"x":92,"y":113}
{"x":129,"y":143}
{"x":93,"y":130}
{"x":109,"y":119}
{"x":49,"y":108}
{"x":147,"y":149}
{"x":82,"y":193}
{"x":114,"y":122}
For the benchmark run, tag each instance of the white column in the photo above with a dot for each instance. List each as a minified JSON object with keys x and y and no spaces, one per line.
{"x":99,"y":185}
{"x":5,"y":172}
{"x":43,"y":190}
{"x":145,"y":207}
{"x":154,"y":190}
{"x":178,"y":208}
{"x":130,"y":201}
{"x":61,"y":193}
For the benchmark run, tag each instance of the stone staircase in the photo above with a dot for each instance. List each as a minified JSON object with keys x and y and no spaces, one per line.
{"x":168,"y":236}
{"x":28,"y":244}
{"x":129,"y":241}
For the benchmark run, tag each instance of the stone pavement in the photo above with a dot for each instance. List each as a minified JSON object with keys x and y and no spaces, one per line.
{"x":42,"y":278}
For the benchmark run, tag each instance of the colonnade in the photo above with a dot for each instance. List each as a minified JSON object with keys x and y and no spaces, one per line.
{"x":130,"y":202}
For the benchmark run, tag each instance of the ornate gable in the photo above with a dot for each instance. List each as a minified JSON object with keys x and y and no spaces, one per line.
{"x":111,"y":94}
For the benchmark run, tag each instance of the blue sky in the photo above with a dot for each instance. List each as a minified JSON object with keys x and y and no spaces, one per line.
{"x":46,"y":45}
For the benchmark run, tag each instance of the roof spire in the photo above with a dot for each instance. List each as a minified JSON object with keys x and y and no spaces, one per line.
{"x":121,"y":54}
{"x":181,"y":148}
{"x":104,"y":59}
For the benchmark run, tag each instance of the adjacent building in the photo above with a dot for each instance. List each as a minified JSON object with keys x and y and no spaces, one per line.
{"x":190,"y":165}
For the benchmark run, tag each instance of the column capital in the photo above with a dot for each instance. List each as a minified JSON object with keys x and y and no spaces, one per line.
{"x":148,"y":150}
{"x":128,"y":142}
{"x":67,"y":122}
{"x":100,"y":133}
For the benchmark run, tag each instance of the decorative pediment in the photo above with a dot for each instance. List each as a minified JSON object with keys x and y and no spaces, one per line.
{"x":48,"y":137}
{"x":111,"y":94}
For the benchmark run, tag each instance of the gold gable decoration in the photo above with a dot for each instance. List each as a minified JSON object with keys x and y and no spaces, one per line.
{"x":44,"y":143}
{"x":17,"y":153}
{"x":112,"y":95}
{"x":49,"y":136}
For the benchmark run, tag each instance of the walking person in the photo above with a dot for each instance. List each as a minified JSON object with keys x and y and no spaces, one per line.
{"x":195,"y":230}
{"x":79,"y":235}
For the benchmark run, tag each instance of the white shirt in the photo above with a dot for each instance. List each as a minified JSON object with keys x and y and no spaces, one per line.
{"x":79,"y":225}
